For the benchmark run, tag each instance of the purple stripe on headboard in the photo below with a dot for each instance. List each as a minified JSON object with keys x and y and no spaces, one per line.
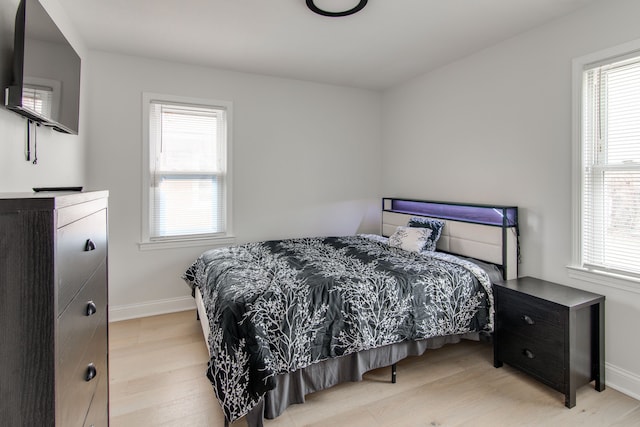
{"x":482,"y":214}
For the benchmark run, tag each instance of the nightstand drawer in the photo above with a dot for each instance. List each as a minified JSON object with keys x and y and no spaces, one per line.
{"x":542,"y":359}
{"x":514,"y":306}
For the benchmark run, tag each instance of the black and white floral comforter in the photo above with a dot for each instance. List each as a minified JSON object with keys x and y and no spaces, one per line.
{"x":278,"y":306}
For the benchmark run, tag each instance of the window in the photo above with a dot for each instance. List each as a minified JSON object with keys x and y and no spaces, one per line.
{"x":608,"y":155}
{"x":42,"y":96}
{"x":187,"y":182}
{"x":38,"y":99}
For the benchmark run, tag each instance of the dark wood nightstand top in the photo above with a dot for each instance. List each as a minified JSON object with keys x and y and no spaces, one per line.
{"x":563,"y":295}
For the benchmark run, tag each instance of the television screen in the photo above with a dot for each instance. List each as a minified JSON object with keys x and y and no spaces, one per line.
{"x":46,"y":71}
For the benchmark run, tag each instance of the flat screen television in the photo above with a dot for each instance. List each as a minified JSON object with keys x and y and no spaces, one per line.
{"x":46,"y":71}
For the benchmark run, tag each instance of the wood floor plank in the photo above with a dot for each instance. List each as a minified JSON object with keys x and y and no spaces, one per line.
{"x":157,"y":378}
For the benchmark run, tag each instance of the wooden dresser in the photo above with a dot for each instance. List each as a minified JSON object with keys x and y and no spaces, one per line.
{"x":53,"y":309}
{"x":554,"y":333}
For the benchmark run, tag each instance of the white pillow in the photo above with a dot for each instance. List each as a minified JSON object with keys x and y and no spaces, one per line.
{"x":411,"y":239}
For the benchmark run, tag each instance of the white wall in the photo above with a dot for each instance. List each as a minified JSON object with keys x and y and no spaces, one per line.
{"x":496,"y":128}
{"x":60,"y":156}
{"x":306,"y":161}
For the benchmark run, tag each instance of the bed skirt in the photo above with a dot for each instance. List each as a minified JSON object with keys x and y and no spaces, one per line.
{"x":294,"y":386}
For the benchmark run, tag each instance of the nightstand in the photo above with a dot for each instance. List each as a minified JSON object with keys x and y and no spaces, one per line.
{"x":554,"y":333}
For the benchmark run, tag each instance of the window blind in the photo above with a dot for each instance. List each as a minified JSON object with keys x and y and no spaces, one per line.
{"x":38,"y":99}
{"x":611,"y":167}
{"x":187,"y":170}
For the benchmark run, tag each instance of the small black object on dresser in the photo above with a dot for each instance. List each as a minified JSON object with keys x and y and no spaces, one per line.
{"x":53,"y":309}
{"x":554,"y":333}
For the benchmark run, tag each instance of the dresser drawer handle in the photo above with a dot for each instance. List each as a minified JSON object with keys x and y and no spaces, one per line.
{"x":528,"y":320}
{"x":91,"y":308}
{"x":528,"y":353}
{"x":91,"y":372}
{"x":89,"y":246}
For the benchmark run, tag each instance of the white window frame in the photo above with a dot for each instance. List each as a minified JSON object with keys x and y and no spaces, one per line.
{"x":576,"y":270}
{"x":52,"y":89}
{"x":146,"y":243}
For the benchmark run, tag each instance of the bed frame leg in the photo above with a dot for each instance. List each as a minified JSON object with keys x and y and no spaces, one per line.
{"x":226,"y":422}
{"x":198,"y":317}
{"x":393,"y":373}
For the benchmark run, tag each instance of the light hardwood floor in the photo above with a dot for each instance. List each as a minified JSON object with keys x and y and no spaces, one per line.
{"x":157,"y":374}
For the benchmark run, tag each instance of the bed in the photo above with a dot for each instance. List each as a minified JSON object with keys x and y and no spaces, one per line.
{"x":285,"y":318}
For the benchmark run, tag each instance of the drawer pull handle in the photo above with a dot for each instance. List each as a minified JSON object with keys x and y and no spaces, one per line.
{"x":528,"y":353}
{"x":528,"y":320}
{"x":91,"y":372}
{"x":91,"y":308}
{"x":89,"y":246}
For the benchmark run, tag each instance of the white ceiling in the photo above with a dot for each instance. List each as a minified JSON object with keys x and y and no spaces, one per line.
{"x":388,"y":42}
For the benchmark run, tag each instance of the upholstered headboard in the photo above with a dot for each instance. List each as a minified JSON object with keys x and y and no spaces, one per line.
{"x":485,"y":232}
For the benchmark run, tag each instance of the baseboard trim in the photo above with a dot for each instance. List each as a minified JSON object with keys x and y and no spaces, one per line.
{"x":150,"y":308}
{"x":622,"y":380}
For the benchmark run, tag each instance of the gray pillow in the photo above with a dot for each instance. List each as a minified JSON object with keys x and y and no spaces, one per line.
{"x":435,"y":225}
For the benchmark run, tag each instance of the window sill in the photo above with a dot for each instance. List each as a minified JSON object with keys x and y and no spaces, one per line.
{"x":605,"y":279}
{"x":187,"y":243}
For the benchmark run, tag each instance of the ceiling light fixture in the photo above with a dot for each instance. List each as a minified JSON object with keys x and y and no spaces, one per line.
{"x":311,"y":5}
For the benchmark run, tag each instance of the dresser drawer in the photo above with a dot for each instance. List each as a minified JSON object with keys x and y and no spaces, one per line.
{"x":81,"y":247}
{"x":77,"y":324}
{"x":98,"y":415}
{"x":74,"y":389}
